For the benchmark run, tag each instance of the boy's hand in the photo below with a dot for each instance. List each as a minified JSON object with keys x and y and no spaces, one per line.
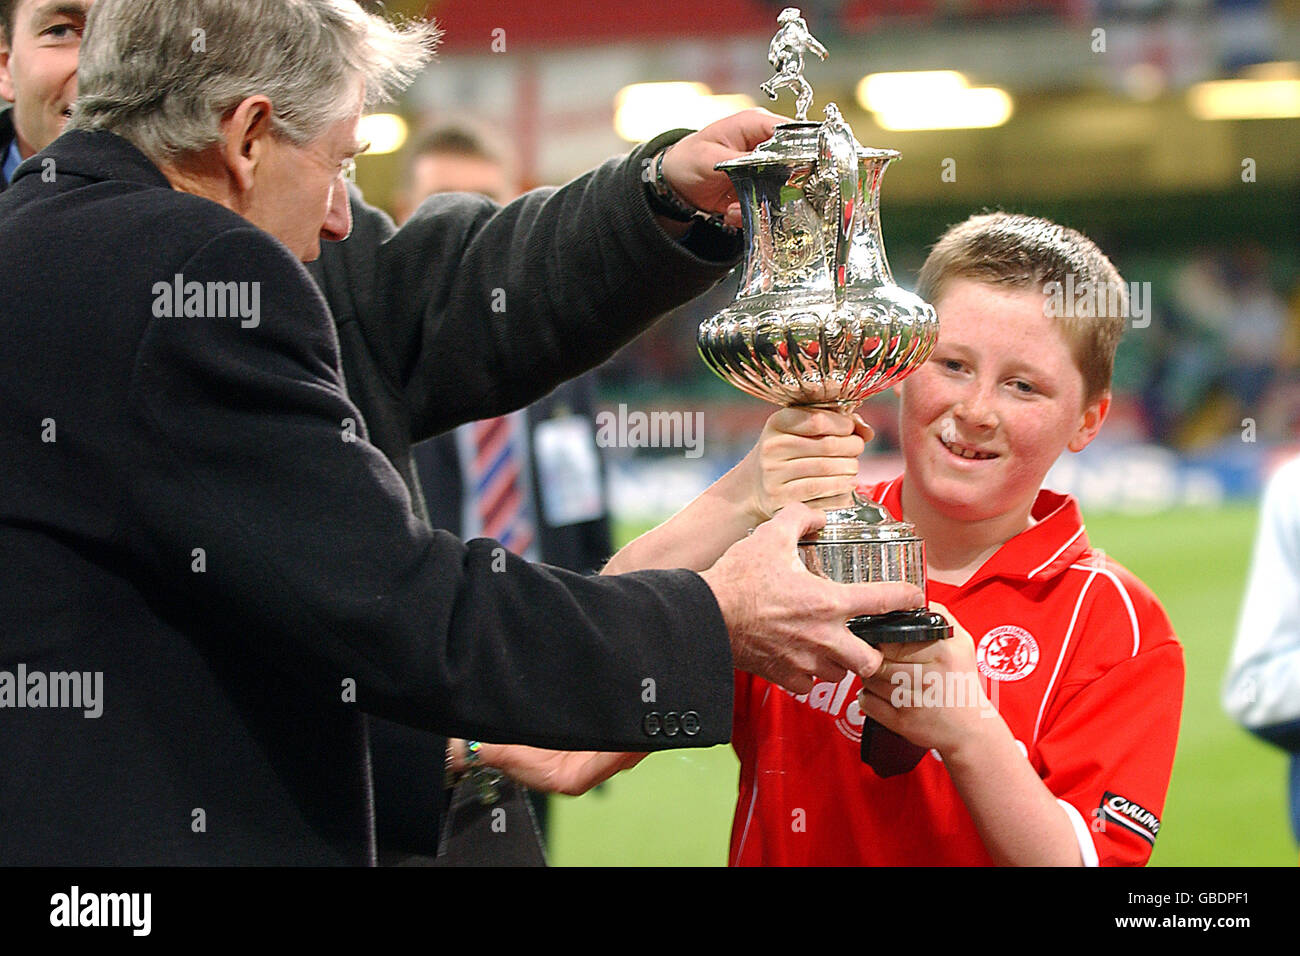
{"x":808,"y":455}
{"x":902,"y":694}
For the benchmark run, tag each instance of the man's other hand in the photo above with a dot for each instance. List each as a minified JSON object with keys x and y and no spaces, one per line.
{"x":786,"y":624}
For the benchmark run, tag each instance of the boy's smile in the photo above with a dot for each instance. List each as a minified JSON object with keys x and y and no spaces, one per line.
{"x":998,"y":401}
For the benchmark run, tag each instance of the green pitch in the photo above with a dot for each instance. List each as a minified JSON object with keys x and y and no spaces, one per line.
{"x":1226,"y":804}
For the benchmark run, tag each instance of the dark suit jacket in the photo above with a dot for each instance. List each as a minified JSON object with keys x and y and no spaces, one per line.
{"x":409,"y":799}
{"x":206,"y":533}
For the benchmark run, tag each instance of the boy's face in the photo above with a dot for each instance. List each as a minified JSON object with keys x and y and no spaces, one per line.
{"x":38,"y":71}
{"x":998,"y":401}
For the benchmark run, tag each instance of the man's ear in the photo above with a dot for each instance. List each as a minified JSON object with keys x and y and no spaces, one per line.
{"x":1090,"y":423}
{"x":247,"y":138}
{"x":6,"y":79}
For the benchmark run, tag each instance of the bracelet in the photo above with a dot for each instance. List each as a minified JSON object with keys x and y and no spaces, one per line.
{"x":665,"y":202}
{"x":486,"y":779}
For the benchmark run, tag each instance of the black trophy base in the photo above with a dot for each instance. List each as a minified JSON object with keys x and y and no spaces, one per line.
{"x":901,"y":627}
{"x":883,"y":750}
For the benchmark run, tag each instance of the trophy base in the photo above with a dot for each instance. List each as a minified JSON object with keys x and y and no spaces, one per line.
{"x":882,"y":750}
{"x":901,"y":627}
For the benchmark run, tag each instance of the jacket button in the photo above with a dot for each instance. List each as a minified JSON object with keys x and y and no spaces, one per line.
{"x":690,"y":723}
{"x":672,"y":724}
{"x":651,"y":724}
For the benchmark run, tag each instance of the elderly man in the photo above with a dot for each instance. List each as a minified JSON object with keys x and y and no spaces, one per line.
{"x":193,"y":514}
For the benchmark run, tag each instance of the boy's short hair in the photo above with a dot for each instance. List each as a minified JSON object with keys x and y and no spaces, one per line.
{"x":1025,"y":252}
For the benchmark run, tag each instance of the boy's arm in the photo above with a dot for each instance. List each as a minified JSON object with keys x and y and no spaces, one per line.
{"x":1019,"y":820}
{"x":1103,"y":743}
{"x":802,"y":455}
{"x":1103,"y":749}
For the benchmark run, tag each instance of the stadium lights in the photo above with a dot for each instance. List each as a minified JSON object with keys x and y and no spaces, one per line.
{"x":932,"y":99}
{"x":385,"y":132}
{"x":644,"y":110}
{"x":1270,"y":92}
{"x":1276,"y":70}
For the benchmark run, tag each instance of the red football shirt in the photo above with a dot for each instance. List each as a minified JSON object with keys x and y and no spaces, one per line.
{"x":1082,"y":664}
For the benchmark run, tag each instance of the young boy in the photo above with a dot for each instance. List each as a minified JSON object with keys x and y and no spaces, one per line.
{"x":1052,"y":735}
{"x":1072,"y":765}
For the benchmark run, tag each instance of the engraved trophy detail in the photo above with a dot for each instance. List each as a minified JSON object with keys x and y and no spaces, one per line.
{"x":819,"y":322}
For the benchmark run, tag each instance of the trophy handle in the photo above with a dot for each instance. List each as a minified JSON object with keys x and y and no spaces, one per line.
{"x":837,"y":162}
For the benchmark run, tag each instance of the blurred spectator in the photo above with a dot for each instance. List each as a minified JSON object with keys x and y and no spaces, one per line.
{"x":1280,"y":417}
{"x":1224,"y":349}
{"x":456,"y":158}
{"x":1254,"y":335}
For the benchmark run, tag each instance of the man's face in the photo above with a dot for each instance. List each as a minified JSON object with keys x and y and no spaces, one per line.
{"x":454,"y":173}
{"x":38,"y":71}
{"x":998,"y":401}
{"x":301,"y":193}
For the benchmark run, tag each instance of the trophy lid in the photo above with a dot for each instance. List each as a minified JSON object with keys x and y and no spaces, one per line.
{"x":794,"y":143}
{"x":864,"y":522}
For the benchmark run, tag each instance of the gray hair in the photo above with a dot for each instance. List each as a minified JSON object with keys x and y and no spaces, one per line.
{"x":163,"y":74}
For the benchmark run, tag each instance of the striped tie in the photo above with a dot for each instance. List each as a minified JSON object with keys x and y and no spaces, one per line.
{"x":500,"y":503}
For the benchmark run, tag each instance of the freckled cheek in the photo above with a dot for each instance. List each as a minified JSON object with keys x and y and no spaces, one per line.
{"x":926,"y":398}
{"x":1030,"y":442}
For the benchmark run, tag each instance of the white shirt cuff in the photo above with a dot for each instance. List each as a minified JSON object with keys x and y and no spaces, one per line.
{"x":1087,"y":849}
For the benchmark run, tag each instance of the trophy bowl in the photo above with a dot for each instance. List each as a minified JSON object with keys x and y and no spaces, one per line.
{"x":817,"y":319}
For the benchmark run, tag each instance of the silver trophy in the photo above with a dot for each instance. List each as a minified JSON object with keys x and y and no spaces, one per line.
{"x":819,"y":322}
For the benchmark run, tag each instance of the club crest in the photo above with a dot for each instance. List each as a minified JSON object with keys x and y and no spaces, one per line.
{"x":1007,"y":653}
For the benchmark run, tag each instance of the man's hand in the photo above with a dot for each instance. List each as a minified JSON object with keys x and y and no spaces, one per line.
{"x":895,"y":695}
{"x":808,"y":455}
{"x":556,"y":771}
{"x":688,"y":164}
{"x":786,"y":624}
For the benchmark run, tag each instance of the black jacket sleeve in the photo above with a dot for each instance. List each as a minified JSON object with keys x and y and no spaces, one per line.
{"x":472,"y":310}
{"x":243,"y":444}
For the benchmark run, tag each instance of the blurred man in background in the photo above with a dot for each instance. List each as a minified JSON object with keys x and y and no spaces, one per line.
{"x":1262,"y":690}
{"x":39,"y":40}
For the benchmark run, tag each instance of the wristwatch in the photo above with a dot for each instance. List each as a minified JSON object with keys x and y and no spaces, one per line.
{"x":664,"y":202}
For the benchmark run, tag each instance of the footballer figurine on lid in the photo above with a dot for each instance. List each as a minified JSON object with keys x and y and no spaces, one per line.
{"x":819,"y":322}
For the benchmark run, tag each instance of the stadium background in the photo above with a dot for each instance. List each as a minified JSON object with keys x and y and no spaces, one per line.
{"x":1165,"y":129}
